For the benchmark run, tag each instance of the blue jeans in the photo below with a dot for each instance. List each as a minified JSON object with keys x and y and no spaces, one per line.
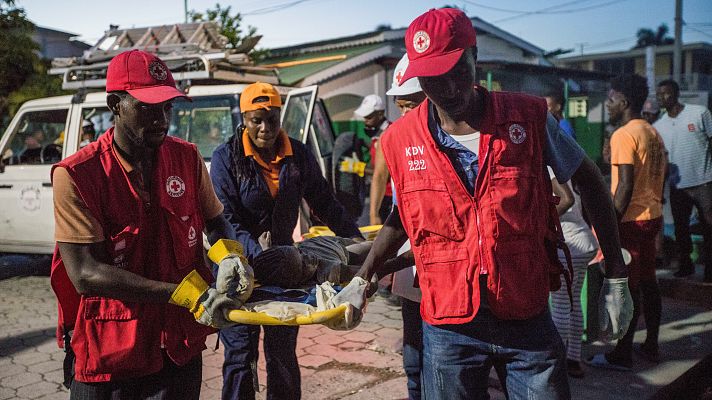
{"x":412,"y":346}
{"x":240,"y":365}
{"x":529,"y":353}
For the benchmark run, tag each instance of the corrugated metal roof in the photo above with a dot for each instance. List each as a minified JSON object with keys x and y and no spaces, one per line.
{"x":292,"y":75}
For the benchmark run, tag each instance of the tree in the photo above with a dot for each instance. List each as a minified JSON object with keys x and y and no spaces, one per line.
{"x":648,"y":37}
{"x":17,"y":50}
{"x":230,"y":27}
{"x":39,"y":84}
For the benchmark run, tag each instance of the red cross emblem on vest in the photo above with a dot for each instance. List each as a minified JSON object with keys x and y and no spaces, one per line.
{"x":517,"y":134}
{"x":421,"y":41}
{"x":175,"y":187}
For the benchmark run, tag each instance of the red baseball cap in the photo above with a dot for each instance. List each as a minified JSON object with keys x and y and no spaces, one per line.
{"x":143,"y":75}
{"x":436,"y":40}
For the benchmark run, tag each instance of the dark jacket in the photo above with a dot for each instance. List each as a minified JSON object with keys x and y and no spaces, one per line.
{"x":251,"y":209}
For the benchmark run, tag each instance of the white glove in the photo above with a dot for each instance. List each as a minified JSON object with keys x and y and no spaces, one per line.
{"x":213,"y":309}
{"x":615,"y":308}
{"x":354,"y":295}
{"x":353,"y":165}
{"x":236,"y":279}
{"x":235,"y":276}
{"x":208,"y":306}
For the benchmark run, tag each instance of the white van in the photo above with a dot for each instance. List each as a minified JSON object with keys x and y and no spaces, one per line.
{"x":47,"y":130}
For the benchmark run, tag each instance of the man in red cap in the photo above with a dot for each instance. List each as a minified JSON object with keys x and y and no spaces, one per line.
{"x":475,"y":200}
{"x":130,"y":210}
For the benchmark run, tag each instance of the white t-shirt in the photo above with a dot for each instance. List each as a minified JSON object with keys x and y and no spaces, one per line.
{"x":471,"y":141}
{"x":577,"y":234}
{"x":687,"y":140}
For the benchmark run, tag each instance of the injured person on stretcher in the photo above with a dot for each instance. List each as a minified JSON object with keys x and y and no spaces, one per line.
{"x":314,"y":261}
{"x":296,"y":284}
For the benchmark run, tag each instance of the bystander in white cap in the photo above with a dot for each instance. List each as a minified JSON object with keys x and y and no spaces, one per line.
{"x":370,"y":103}
{"x":408,"y":87}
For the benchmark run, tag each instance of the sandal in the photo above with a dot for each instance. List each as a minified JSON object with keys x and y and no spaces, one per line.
{"x":600,"y":361}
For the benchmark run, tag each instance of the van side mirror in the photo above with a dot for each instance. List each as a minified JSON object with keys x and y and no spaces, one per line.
{"x":5,"y":156}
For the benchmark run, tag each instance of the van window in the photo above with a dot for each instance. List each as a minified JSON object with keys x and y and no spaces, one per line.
{"x":321,"y":125}
{"x":95,"y":121}
{"x":37,"y":138}
{"x":206,"y":121}
{"x":296,"y":115}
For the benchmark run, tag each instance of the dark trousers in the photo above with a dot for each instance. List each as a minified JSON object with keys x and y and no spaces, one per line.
{"x":638,"y":237}
{"x":386,"y":207}
{"x":412,"y":346}
{"x":240,"y":365}
{"x":171,"y":382}
{"x":681,"y":203}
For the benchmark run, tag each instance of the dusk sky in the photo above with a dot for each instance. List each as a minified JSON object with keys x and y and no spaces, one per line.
{"x":591,"y":25}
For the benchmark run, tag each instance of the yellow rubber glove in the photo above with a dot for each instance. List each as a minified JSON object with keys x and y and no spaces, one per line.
{"x":209,"y":307}
{"x":189,"y":291}
{"x":235,"y":277}
{"x":353,"y":165}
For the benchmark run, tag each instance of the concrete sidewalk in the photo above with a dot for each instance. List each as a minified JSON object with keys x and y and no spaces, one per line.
{"x":360,"y":364}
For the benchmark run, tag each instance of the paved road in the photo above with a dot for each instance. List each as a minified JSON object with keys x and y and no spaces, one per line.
{"x":359,"y":364}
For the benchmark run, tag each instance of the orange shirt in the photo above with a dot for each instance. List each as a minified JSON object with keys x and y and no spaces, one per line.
{"x":269,"y":171}
{"x":74,"y":223}
{"x":638,"y":144}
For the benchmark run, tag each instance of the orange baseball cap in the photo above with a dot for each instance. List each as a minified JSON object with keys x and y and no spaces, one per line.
{"x":259,"y":95}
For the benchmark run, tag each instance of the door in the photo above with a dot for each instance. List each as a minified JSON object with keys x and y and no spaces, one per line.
{"x":321,"y":138}
{"x":32,"y":143}
{"x":304,"y":118}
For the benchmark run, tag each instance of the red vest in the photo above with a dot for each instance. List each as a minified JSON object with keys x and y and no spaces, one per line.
{"x":501,"y":230}
{"x":116,"y":339}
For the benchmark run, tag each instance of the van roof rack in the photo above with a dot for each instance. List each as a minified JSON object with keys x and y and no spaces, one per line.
{"x":193,"y":52}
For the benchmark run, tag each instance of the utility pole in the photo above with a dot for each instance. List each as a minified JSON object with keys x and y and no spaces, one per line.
{"x":650,"y":67}
{"x":185,"y":10}
{"x":581,"y":46}
{"x":677,"y":50}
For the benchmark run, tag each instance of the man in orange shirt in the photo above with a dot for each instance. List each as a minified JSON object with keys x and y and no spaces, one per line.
{"x":637,"y":173}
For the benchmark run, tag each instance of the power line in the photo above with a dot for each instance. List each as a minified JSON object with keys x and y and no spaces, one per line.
{"x":527,"y":13}
{"x":275,"y":8}
{"x":505,"y":9}
{"x":564,"y":11}
{"x":698,"y":31}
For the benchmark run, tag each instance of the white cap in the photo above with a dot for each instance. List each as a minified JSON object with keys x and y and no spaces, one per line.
{"x":86,"y":123}
{"x":370,"y":103}
{"x":408,"y":87}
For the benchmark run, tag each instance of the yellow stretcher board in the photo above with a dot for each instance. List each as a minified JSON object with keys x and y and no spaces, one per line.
{"x":369,"y":232}
{"x":258,"y":318}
